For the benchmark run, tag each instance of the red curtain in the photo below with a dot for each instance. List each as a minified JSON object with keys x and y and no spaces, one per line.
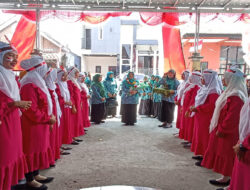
{"x":70,"y":16}
{"x":23,"y":39}
{"x":173,"y":54}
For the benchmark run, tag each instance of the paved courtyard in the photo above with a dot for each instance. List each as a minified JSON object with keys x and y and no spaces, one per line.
{"x":141,"y":155}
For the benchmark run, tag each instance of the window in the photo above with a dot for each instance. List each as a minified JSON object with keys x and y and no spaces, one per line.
{"x":98,"y":69}
{"x":126,"y":51}
{"x":125,"y":68}
{"x":113,"y":68}
{"x":86,"y":39}
{"x":125,"y":62}
{"x":145,"y":65}
{"x":232,"y":55}
{"x":100,"y":33}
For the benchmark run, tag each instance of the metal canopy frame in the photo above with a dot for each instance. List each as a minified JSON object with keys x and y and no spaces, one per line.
{"x":204,"y":6}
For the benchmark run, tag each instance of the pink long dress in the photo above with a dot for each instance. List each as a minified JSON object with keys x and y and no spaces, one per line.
{"x":202,"y":120}
{"x":65,"y":124}
{"x":12,"y":160}
{"x":187,"y":123}
{"x":241,"y":172}
{"x":35,"y":127}
{"x":85,"y":109}
{"x":75,"y":95}
{"x":220,"y":155}
{"x":54,"y":133}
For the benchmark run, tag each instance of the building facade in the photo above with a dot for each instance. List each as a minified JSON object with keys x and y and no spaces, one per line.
{"x":120,"y":45}
{"x":219,"y":51}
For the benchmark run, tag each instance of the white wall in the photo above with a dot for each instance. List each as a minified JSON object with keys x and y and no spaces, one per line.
{"x":90,"y":63}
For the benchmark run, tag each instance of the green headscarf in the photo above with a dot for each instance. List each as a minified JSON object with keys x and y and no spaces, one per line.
{"x":99,"y":84}
{"x":157,"y":83}
{"x":108,"y":78}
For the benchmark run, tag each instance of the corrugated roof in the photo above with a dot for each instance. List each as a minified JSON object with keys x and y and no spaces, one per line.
{"x":239,"y":6}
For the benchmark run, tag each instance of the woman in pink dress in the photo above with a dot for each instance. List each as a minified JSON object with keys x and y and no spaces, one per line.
{"x":66,"y":106}
{"x":188,"y":100}
{"x":84,"y":101}
{"x":37,"y":122}
{"x":180,"y":91}
{"x":241,"y":170}
{"x":55,"y":138}
{"x":203,"y":111}
{"x":75,"y":95}
{"x":12,"y":160}
{"x":224,"y":127}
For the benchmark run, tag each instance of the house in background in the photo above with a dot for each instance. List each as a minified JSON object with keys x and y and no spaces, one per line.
{"x":51,"y":49}
{"x":100,"y":47}
{"x":120,"y":45}
{"x":219,"y":51}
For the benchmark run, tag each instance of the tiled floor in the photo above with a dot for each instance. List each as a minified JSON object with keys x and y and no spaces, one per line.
{"x":117,"y":187}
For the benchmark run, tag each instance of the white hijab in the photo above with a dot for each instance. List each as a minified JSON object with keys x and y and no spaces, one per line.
{"x":82,"y":84}
{"x":193,"y":80}
{"x":51,"y":84}
{"x":72,"y":73}
{"x":211,"y":86}
{"x":236,"y":86}
{"x":63,"y":85}
{"x":181,"y":87}
{"x":8,"y":84}
{"x":36,"y":76}
{"x":244,"y":126}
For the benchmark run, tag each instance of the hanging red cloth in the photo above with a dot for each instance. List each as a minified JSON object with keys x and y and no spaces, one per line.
{"x":172,"y":47}
{"x":23,"y":39}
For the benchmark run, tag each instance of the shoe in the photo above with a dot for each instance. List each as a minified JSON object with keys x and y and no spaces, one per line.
{"x":78,"y":140}
{"x":184,"y":143}
{"x":220,"y":189}
{"x":217,"y":183}
{"x":43,"y":187}
{"x":197,"y":158}
{"x":167,"y":126}
{"x":47,"y":180}
{"x":66,"y":148}
{"x":198,"y":163}
{"x":85,"y":130}
{"x":52,"y":166}
{"x":65,"y":153}
{"x":102,"y":121}
{"x":18,"y":187}
{"x":161,"y":125}
{"x":75,"y":143}
{"x":187,"y":145}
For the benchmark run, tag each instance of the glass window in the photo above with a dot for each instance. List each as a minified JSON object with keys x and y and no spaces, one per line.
{"x":125,"y":62}
{"x":126,"y":51}
{"x":88,"y":38}
{"x":125,"y":68}
{"x":98,"y":69}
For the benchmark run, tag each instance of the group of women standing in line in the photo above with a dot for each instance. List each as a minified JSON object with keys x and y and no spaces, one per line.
{"x":214,"y":122}
{"x":158,"y":105}
{"x":49,"y":109}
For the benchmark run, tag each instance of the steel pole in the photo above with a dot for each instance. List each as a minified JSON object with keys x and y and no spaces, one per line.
{"x":38,"y":29}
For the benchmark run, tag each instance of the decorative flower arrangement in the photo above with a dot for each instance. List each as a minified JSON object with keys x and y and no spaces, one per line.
{"x":131,"y":83}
